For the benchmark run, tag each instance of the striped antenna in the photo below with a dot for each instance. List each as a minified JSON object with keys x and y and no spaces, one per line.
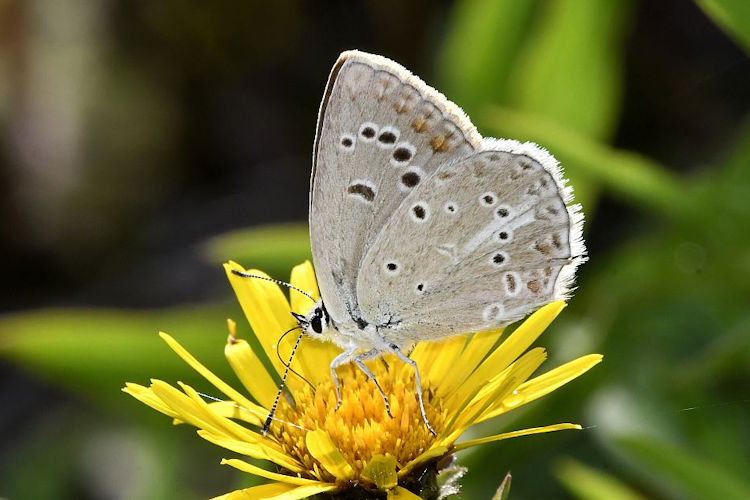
{"x":207,"y":396}
{"x":278,"y":282}
{"x":267,"y":424}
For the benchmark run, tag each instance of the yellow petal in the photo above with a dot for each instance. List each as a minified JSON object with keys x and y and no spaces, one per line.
{"x":439,"y":365}
{"x":146,"y":396}
{"x":381,"y":470}
{"x":514,"y":345}
{"x":497,"y":389}
{"x":522,"y":432}
{"x":303,"y":277}
{"x":228,"y":390}
{"x":399,"y":493}
{"x":276,"y":491}
{"x":257,"y":449}
{"x":469,"y":360}
{"x":321,"y":446}
{"x":268,"y":313}
{"x":229,"y":409}
{"x":225,"y":425}
{"x":251,"y":371}
{"x":252,"y":469}
{"x":543,"y":385}
{"x":434,"y":452}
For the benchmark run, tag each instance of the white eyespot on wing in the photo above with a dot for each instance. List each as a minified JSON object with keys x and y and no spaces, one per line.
{"x":402,"y":154}
{"x":419,"y":212}
{"x":503,"y":212}
{"x":500,"y":259}
{"x":488,"y":199}
{"x":347,"y":143}
{"x":504,"y":236}
{"x":450,"y":207}
{"x":387,"y":137}
{"x":368,"y":131}
{"x":493,"y":312}
{"x":512,"y":283}
{"x":411,"y":178}
{"x":392,"y":267}
{"x":361,"y":190}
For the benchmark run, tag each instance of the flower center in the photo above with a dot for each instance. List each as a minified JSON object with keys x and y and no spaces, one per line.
{"x":361,"y":428}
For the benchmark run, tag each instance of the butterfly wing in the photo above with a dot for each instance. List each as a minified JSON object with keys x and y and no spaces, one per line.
{"x":381,"y":130}
{"x":480,"y":243}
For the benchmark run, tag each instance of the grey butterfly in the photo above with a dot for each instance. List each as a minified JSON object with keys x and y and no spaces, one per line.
{"x":420,"y":228}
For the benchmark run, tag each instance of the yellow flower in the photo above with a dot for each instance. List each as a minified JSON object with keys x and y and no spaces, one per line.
{"x":466,"y":380}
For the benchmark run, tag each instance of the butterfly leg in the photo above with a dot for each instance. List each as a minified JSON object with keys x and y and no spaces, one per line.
{"x":342,"y":359}
{"x":359,"y":359}
{"x":406,"y":359}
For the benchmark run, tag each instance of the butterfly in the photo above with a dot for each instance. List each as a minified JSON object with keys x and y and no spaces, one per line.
{"x":421,"y":229}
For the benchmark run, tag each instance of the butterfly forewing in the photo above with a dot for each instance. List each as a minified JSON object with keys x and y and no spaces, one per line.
{"x":381,"y":133}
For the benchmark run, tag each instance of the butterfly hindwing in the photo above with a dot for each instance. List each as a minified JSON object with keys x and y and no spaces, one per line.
{"x":381,"y":132}
{"x":480,"y":243}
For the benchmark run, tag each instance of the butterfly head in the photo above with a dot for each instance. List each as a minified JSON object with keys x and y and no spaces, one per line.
{"x":317,"y":323}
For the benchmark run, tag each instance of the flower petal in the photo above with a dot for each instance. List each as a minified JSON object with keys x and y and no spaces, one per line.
{"x":522,"y":432}
{"x":267,"y":310}
{"x":229,"y":409}
{"x":251,"y":371}
{"x":477,"y":347}
{"x":543,"y":385}
{"x":434,"y":452}
{"x":276,"y":491}
{"x":228,"y":390}
{"x":303,"y":277}
{"x":255,"y":449}
{"x":513,"y":346}
{"x":399,"y":493}
{"x":321,"y":446}
{"x":146,"y":396}
{"x":381,"y":470}
{"x":252,"y":469}
{"x":497,"y":389}
{"x":440,"y":359}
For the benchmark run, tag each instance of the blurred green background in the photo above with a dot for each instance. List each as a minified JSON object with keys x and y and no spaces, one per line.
{"x":143,"y":143}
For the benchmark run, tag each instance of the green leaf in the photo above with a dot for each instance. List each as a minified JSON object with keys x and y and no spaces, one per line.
{"x":570,"y":72}
{"x":480,"y":49}
{"x":94,"y":352}
{"x":273,"y":248}
{"x":696,"y":477}
{"x":624,"y":173}
{"x":503,"y":492}
{"x":733,"y":16}
{"x":586,"y":483}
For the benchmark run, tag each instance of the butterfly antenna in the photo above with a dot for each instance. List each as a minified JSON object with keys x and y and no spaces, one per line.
{"x":288,"y":365}
{"x":269,"y":419}
{"x":278,"y":282}
{"x":212,"y":398}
